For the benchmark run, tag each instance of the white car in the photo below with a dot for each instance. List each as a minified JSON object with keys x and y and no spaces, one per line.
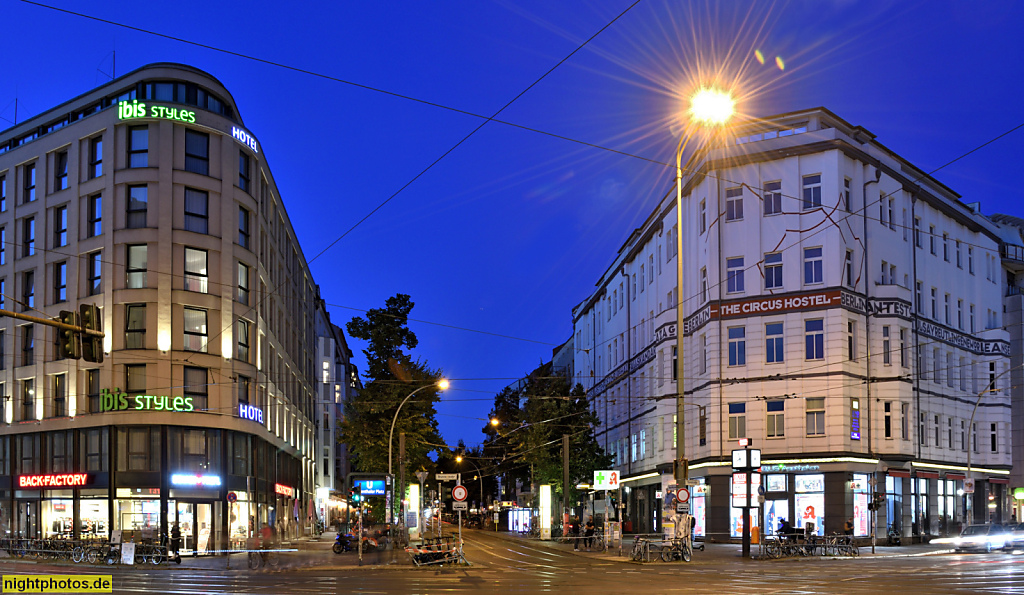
{"x":981,"y":538}
{"x":1014,"y":537}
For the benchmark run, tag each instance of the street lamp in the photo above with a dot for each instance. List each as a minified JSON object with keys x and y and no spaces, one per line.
{"x":970,"y":428}
{"x":708,"y":107}
{"x":441,"y":384}
{"x":480,"y":474}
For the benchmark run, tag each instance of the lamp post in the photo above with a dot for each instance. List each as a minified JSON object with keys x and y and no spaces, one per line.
{"x":480,"y":474}
{"x":708,"y":107}
{"x":440,"y":384}
{"x":970,"y":428}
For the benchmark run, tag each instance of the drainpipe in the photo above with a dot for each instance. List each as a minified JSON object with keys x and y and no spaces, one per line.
{"x":867,"y":297}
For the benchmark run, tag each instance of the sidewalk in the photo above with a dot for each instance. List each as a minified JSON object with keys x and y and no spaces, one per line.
{"x":721,"y":552}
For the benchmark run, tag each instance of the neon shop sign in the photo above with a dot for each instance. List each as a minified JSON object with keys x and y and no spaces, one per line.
{"x":250,"y":412}
{"x":129,"y":110}
{"x":196,"y":481}
{"x":119,"y":401}
{"x":245,"y":138}
{"x":61,"y":480}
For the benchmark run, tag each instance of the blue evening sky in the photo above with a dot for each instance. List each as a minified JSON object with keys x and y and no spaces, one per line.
{"x":513,"y":228}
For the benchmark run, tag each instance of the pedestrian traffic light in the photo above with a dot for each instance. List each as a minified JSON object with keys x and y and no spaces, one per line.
{"x":356,"y":492}
{"x":92,"y":346}
{"x":69,"y":341}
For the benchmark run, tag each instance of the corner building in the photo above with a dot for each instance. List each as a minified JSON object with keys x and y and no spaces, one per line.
{"x":149,"y":198}
{"x":842,"y":310}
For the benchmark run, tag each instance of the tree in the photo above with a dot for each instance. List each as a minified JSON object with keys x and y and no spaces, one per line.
{"x":534,"y":415}
{"x":391,"y":376}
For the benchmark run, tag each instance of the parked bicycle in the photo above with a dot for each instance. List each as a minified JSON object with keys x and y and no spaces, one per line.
{"x":678,"y":549}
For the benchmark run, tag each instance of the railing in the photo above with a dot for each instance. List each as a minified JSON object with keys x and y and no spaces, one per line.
{"x":1012,"y":252}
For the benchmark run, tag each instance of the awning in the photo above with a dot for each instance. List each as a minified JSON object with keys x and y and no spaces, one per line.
{"x":1001,"y":480}
{"x":957,"y":476}
{"x":927,"y":474}
{"x":898,"y":473}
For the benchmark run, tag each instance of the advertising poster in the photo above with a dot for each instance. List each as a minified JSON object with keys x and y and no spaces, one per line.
{"x":774,"y":512}
{"x":736,"y":521}
{"x":699,"y":510}
{"x":860,"y":514}
{"x":810,"y":508}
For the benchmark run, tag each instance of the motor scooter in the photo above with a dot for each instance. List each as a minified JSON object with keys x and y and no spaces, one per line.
{"x":341,"y":544}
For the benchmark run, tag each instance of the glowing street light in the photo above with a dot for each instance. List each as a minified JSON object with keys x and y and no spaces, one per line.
{"x":712,"y":107}
{"x":441,"y":384}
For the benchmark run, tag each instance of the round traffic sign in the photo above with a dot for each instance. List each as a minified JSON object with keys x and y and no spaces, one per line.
{"x":232,"y":497}
{"x":683,"y":495}
{"x":459,"y":493}
{"x":760,"y":490}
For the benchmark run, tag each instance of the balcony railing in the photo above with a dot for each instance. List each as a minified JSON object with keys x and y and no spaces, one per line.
{"x":1012,"y":252}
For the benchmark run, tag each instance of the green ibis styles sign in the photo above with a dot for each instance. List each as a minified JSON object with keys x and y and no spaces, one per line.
{"x":129,"y":110}
{"x":119,"y":401}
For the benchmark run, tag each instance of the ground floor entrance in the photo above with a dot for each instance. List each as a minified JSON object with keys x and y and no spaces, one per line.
{"x":195,"y":521}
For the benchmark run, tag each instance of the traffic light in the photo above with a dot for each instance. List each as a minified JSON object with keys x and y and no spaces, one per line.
{"x":356,"y":492}
{"x":69,"y":342}
{"x":92,"y":346}
{"x":877,"y":502}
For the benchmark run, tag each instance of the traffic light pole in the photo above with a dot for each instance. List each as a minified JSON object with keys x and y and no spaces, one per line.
{"x":53,"y":323}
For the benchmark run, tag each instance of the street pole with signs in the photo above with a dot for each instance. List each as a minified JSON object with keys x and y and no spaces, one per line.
{"x":745,"y":461}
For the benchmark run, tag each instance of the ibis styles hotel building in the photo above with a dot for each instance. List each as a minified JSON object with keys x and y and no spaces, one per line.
{"x":148,"y":198}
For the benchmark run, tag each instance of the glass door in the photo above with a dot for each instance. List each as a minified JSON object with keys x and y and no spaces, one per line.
{"x":186,"y":524}
{"x":204,"y":528}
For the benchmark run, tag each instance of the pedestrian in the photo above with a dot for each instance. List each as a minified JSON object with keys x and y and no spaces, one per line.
{"x":588,"y":533}
{"x":848,"y":527}
{"x":175,"y":540}
{"x":574,"y":533}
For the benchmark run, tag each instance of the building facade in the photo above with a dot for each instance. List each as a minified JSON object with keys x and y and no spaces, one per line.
{"x":843,"y":311}
{"x":149,"y":198}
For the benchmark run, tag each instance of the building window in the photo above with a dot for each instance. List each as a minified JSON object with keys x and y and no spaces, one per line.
{"x":95,"y":272}
{"x":970,"y":259}
{"x":643,"y":275}
{"x":28,"y":345}
{"x":136,"y":266}
{"x":28,"y":290}
{"x":971,"y":317}
{"x":195,"y":329}
{"x":60,"y":170}
{"x":812,"y":192}
{"x":92,"y":390}
{"x":60,"y":394}
{"x":772,"y":198}
{"x":60,"y":282}
{"x":243,"y":170}
{"x":920,"y":297}
{"x":3,"y":245}
{"x":243,"y":228}
{"x":815,"y":416}
{"x":138,"y":146}
{"x":29,"y":193}
{"x":60,"y":227}
{"x":733,"y":204}
{"x":737,"y":421}
{"x":945,"y":308}
{"x":737,"y":346}
{"x":773,"y":270}
{"x":922,"y":431}
{"x":197,"y":213}
{"x":905,"y":420}
{"x":3,"y":193}
{"x":95,"y":226}
{"x":703,"y":354}
{"x":675,"y":363}
{"x":650,"y":269}
{"x":703,"y":285}
{"x":903,"y":347}
{"x":28,"y":239}
{"x":135,"y":326}
{"x":812,"y":266}
{"x":773,"y":343}
{"x":243,"y":340}
{"x":197,"y":152}
{"x":846,"y":194}
{"x":196,"y":386}
{"x":994,"y":435}
{"x":892,"y":209}
{"x":931,"y":239}
{"x":814,"y":336}
{"x":848,"y":265}
{"x":945,"y":247}
{"x":703,"y":216}
{"x":887,"y":426}
{"x":734,"y":268}
{"x":886,"y":346}
{"x":28,"y":399}
{"x":243,"y":284}
{"x":3,"y":359}
{"x":244,"y":387}
{"x":776,"y":422}
{"x":959,"y":256}
{"x":960,"y":314}
{"x":935,"y":304}
{"x":851,"y":340}
{"x":95,"y":157}
{"x":196,"y":271}
{"x":137,"y":205}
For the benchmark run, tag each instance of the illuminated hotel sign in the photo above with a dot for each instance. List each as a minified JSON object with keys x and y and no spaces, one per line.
{"x":250,"y":412}
{"x":129,"y":110}
{"x":201,"y":481}
{"x":62,"y":480}
{"x":284,"y":490}
{"x":119,"y":401}
{"x":245,"y":138}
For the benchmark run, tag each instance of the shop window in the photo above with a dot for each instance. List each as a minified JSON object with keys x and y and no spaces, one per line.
{"x":195,"y":387}
{"x":776,"y":423}
{"x":809,"y":500}
{"x":137,"y":265}
{"x":136,"y":207}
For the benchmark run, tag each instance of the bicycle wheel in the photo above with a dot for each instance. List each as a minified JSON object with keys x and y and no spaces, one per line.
{"x":667,"y":555}
{"x":598,"y":545}
{"x":854,"y":550}
{"x":254,"y":560}
{"x":273,"y":559}
{"x":686,"y":552}
{"x":156,"y":557}
{"x":92,"y":555}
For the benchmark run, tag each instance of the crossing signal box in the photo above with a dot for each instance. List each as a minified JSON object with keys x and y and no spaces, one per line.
{"x":92,"y":346}
{"x":69,"y":341}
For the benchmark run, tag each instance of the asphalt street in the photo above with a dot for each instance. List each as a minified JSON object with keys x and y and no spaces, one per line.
{"x":515,"y":565}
